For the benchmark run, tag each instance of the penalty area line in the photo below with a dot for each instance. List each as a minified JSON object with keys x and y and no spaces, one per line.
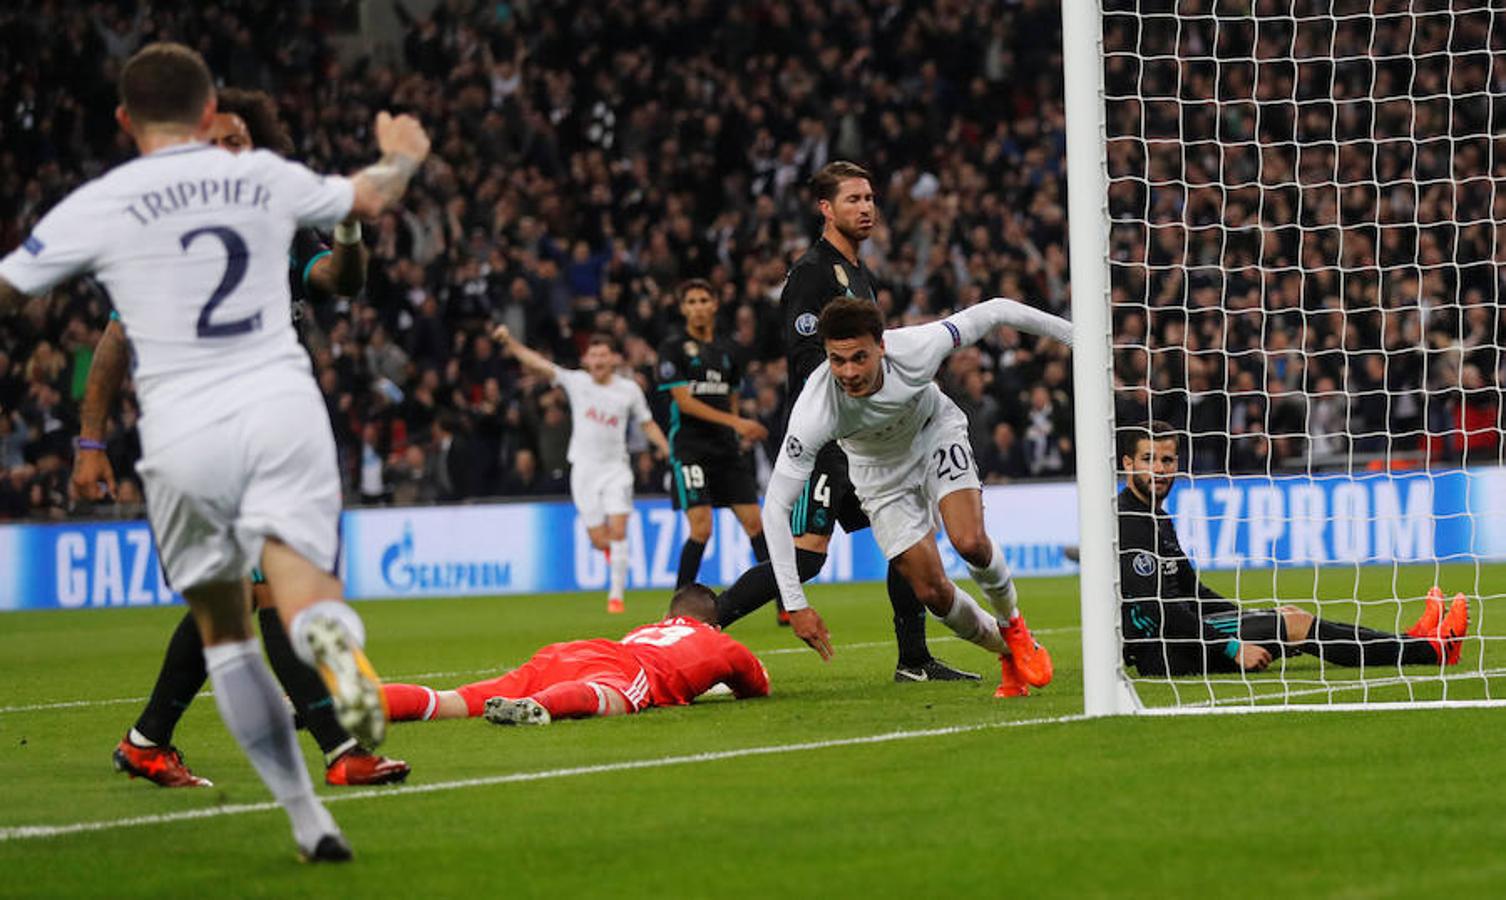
{"x":34,"y":832}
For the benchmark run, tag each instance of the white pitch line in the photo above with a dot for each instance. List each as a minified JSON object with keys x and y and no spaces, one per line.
{"x":27,"y":832}
{"x":778,"y":651}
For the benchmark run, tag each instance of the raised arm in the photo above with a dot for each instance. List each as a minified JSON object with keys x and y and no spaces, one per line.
{"x":404,"y":146}
{"x":531,"y":359}
{"x":91,"y":466}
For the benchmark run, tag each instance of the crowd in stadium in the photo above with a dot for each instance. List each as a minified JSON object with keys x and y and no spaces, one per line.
{"x":568,"y":194}
{"x":588,"y":157}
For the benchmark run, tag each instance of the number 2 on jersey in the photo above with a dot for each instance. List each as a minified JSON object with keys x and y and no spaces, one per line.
{"x":236,"y":257}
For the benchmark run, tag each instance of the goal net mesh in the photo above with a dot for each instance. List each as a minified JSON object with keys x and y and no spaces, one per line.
{"x":1306,"y":205}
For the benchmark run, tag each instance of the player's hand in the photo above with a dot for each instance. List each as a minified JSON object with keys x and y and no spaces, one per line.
{"x":502,"y":335}
{"x":750,"y":430}
{"x":93,"y":476}
{"x":808,"y":627}
{"x":1253,"y":657}
{"x":401,"y":136}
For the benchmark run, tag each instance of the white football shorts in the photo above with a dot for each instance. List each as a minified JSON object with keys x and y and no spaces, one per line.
{"x":600,"y":490}
{"x":269,"y":470}
{"x":902,"y":502}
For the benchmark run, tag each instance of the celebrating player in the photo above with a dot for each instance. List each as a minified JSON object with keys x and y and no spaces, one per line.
{"x":1176,"y":625}
{"x":709,"y":468}
{"x":831,"y":268}
{"x":238,"y":460}
{"x":668,"y":663}
{"x":244,"y":120}
{"x":908,"y":454}
{"x":601,"y":477}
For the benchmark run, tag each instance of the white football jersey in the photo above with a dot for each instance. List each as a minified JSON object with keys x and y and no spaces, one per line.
{"x":600,"y":414}
{"x":877,"y":430}
{"x":191,"y":242}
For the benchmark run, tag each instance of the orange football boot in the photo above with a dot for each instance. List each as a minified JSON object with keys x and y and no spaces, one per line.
{"x":1455,"y":625}
{"x":1426,"y":626}
{"x":1031,"y":661}
{"x":1010,"y":682}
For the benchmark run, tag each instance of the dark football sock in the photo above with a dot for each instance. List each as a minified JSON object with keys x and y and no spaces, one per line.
{"x":690,"y":562}
{"x":760,"y":547}
{"x":757,"y":586}
{"x":180,"y":678}
{"x":1353,"y":645}
{"x":304,"y":686}
{"x":909,"y":621}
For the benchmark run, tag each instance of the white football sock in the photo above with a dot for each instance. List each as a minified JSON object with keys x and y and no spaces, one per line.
{"x":140,"y":740}
{"x":619,"y":568}
{"x":997,"y":584}
{"x":971,"y":622}
{"x":251,"y":705}
{"x":329,"y":609}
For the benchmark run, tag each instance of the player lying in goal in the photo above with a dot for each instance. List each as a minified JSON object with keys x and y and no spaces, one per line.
{"x":910,"y":464}
{"x":668,"y":663}
{"x":1175,"y":625}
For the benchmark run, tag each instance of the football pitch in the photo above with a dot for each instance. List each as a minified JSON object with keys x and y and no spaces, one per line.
{"x":840,"y":784}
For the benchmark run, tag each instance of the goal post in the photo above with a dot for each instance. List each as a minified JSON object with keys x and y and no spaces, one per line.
{"x":1104,"y":691}
{"x":1287,"y":225}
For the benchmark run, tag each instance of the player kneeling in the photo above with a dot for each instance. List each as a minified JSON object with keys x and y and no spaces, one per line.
{"x":668,"y":663}
{"x":908,"y":456}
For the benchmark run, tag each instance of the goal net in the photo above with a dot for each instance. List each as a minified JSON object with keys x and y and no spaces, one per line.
{"x":1287,"y":244}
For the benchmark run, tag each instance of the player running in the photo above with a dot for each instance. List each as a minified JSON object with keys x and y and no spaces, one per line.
{"x":701,"y":374}
{"x":243,"y":121}
{"x":1176,"y":625}
{"x":668,"y":663}
{"x":238,"y":460}
{"x":602,"y":403}
{"x":831,"y":268}
{"x":907,"y":448}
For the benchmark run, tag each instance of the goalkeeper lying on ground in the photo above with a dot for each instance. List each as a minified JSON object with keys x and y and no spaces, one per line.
{"x":1175,"y":625}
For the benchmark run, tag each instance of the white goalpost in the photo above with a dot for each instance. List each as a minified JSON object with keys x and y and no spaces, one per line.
{"x":1288,"y":243}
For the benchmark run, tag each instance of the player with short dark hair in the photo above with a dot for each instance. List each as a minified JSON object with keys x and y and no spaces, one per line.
{"x":243,"y":120}
{"x":701,"y":373}
{"x":668,"y":663}
{"x":1175,"y":625}
{"x":830,"y":269}
{"x":238,"y":459}
{"x":911,"y":467}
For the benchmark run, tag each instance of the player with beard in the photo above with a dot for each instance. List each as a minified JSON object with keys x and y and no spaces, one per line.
{"x":831,"y":268}
{"x":1176,"y":625}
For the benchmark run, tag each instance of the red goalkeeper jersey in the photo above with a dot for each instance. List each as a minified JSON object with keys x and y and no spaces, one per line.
{"x":684,"y":657}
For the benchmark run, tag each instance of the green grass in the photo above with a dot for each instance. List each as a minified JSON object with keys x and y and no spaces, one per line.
{"x":1374,"y":804}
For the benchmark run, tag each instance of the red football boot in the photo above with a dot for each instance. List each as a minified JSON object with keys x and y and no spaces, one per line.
{"x":1455,"y":626}
{"x":358,"y":767}
{"x":1010,"y":682}
{"x":160,"y":765}
{"x":1031,"y":660}
{"x":1432,"y":616}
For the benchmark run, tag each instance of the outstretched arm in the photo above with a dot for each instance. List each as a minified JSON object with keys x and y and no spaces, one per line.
{"x":343,"y":272}
{"x":91,"y":467}
{"x":531,"y":359}
{"x":404,"y":146}
{"x":974,"y":323}
{"x":779,"y":500}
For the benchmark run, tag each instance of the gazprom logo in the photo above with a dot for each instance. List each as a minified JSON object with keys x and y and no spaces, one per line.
{"x":405,"y":571}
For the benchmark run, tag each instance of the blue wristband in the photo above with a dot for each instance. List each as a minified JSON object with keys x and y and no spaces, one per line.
{"x":1231,"y":649}
{"x":87,"y":444}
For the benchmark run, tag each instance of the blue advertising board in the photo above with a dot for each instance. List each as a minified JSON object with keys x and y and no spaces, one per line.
{"x":515,"y":548}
